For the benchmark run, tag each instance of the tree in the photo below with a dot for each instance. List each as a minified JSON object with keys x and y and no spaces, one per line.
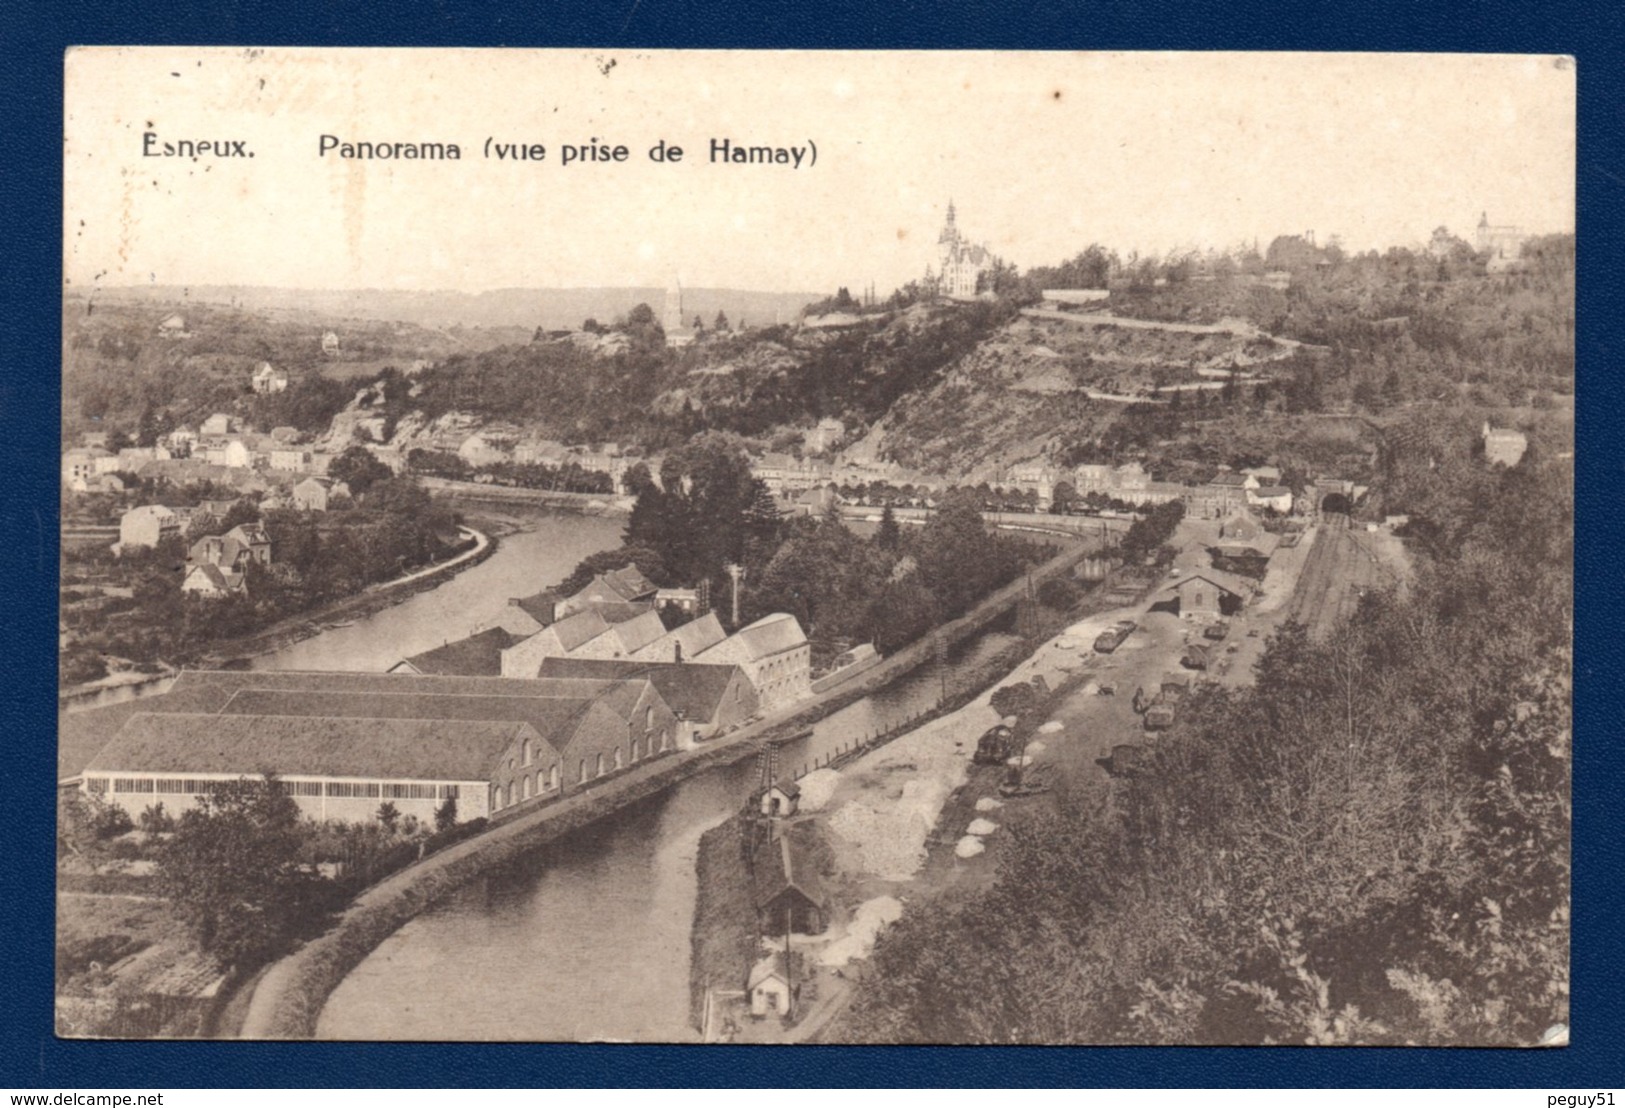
{"x":389,"y":816}
{"x":647,"y":560}
{"x":232,"y":872}
{"x":84,"y":822}
{"x":888,"y":536}
{"x":1059,"y":593}
{"x":959,"y":560}
{"x":1063,"y":499}
{"x":1018,"y":700}
{"x":242,"y":511}
{"x":721,"y":323}
{"x":636,"y":479}
{"x":155,"y":821}
{"x":149,"y":427}
{"x":903,"y":612}
{"x":445,"y":816}
{"x":358,"y":468}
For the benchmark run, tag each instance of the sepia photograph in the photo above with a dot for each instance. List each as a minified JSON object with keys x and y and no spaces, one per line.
{"x":791,"y":547}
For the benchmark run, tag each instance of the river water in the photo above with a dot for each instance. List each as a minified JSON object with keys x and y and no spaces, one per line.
{"x":589,"y":938}
{"x":471,"y":600}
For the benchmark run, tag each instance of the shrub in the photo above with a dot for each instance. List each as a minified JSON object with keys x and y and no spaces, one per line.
{"x":156,"y":821}
{"x":1060,"y":593}
{"x":111,"y":821}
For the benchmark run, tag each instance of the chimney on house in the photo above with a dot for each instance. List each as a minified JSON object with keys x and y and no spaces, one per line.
{"x":677,"y":652}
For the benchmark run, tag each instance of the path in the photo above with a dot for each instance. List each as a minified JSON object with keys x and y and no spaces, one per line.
{"x":481,"y":541}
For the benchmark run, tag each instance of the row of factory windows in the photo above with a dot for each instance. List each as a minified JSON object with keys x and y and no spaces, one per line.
{"x":544,"y":782}
{"x":187,"y":786}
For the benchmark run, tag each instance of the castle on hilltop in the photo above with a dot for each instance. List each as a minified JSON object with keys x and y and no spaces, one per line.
{"x":960,"y":262}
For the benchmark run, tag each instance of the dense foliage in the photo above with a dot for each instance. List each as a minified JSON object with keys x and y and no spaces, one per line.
{"x":232,"y":870}
{"x":708,"y":512}
{"x":1370,"y":845}
{"x":316,"y":558}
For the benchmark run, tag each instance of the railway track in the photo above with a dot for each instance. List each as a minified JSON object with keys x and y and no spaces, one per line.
{"x":1338,"y":570}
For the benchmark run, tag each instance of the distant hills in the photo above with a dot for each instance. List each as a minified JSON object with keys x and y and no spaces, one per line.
{"x":550,"y":308}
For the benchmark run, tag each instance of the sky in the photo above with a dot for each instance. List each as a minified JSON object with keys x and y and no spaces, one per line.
{"x":1041,"y":153}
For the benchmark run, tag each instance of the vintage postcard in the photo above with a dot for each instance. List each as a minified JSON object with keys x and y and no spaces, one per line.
{"x":782,"y":547}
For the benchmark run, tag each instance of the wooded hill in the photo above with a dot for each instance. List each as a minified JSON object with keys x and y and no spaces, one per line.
{"x":1368,"y":846}
{"x":950,"y":388}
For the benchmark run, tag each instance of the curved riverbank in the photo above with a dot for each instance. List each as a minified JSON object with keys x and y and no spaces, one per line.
{"x":373,"y":599}
{"x":291,"y":997}
{"x":292,"y":629}
{"x":288,"y":1002}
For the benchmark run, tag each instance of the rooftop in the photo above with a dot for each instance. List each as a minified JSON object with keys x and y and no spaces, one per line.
{"x":399,"y":749}
{"x":552,"y":718}
{"x":695,"y":690}
{"x":476,"y":656}
{"x":769,"y":635}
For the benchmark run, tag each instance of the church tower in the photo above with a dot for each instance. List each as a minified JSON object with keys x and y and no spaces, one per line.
{"x":672,"y":318}
{"x":960,"y":261}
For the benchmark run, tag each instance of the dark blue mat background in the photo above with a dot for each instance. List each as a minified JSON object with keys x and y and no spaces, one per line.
{"x":31,"y":45}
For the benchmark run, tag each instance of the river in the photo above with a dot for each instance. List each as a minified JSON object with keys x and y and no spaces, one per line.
{"x":589,"y":939}
{"x":470,"y":600}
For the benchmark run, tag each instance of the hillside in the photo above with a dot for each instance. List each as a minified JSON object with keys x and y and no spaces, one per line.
{"x":1047,"y":381}
{"x":1185,"y":373}
{"x":116,"y":364}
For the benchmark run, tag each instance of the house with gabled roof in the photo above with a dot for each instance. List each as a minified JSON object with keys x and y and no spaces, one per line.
{"x":1210,"y":593}
{"x":314,"y":494}
{"x":787,"y":889}
{"x":393,"y":737}
{"x":708,"y":700}
{"x":683,"y":643}
{"x":333,"y":768}
{"x":775,"y":655}
{"x":768,"y":987}
{"x":244,"y":543}
{"x":557,"y":640}
{"x":623,"y":639}
{"x":79,"y":466}
{"x":212,"y":581}
{"x":624,"y":585}
{"x":529,"y":614}
{"x":267,"y":380}
{"x":148,"y":525}
{"x":579,"y":733}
